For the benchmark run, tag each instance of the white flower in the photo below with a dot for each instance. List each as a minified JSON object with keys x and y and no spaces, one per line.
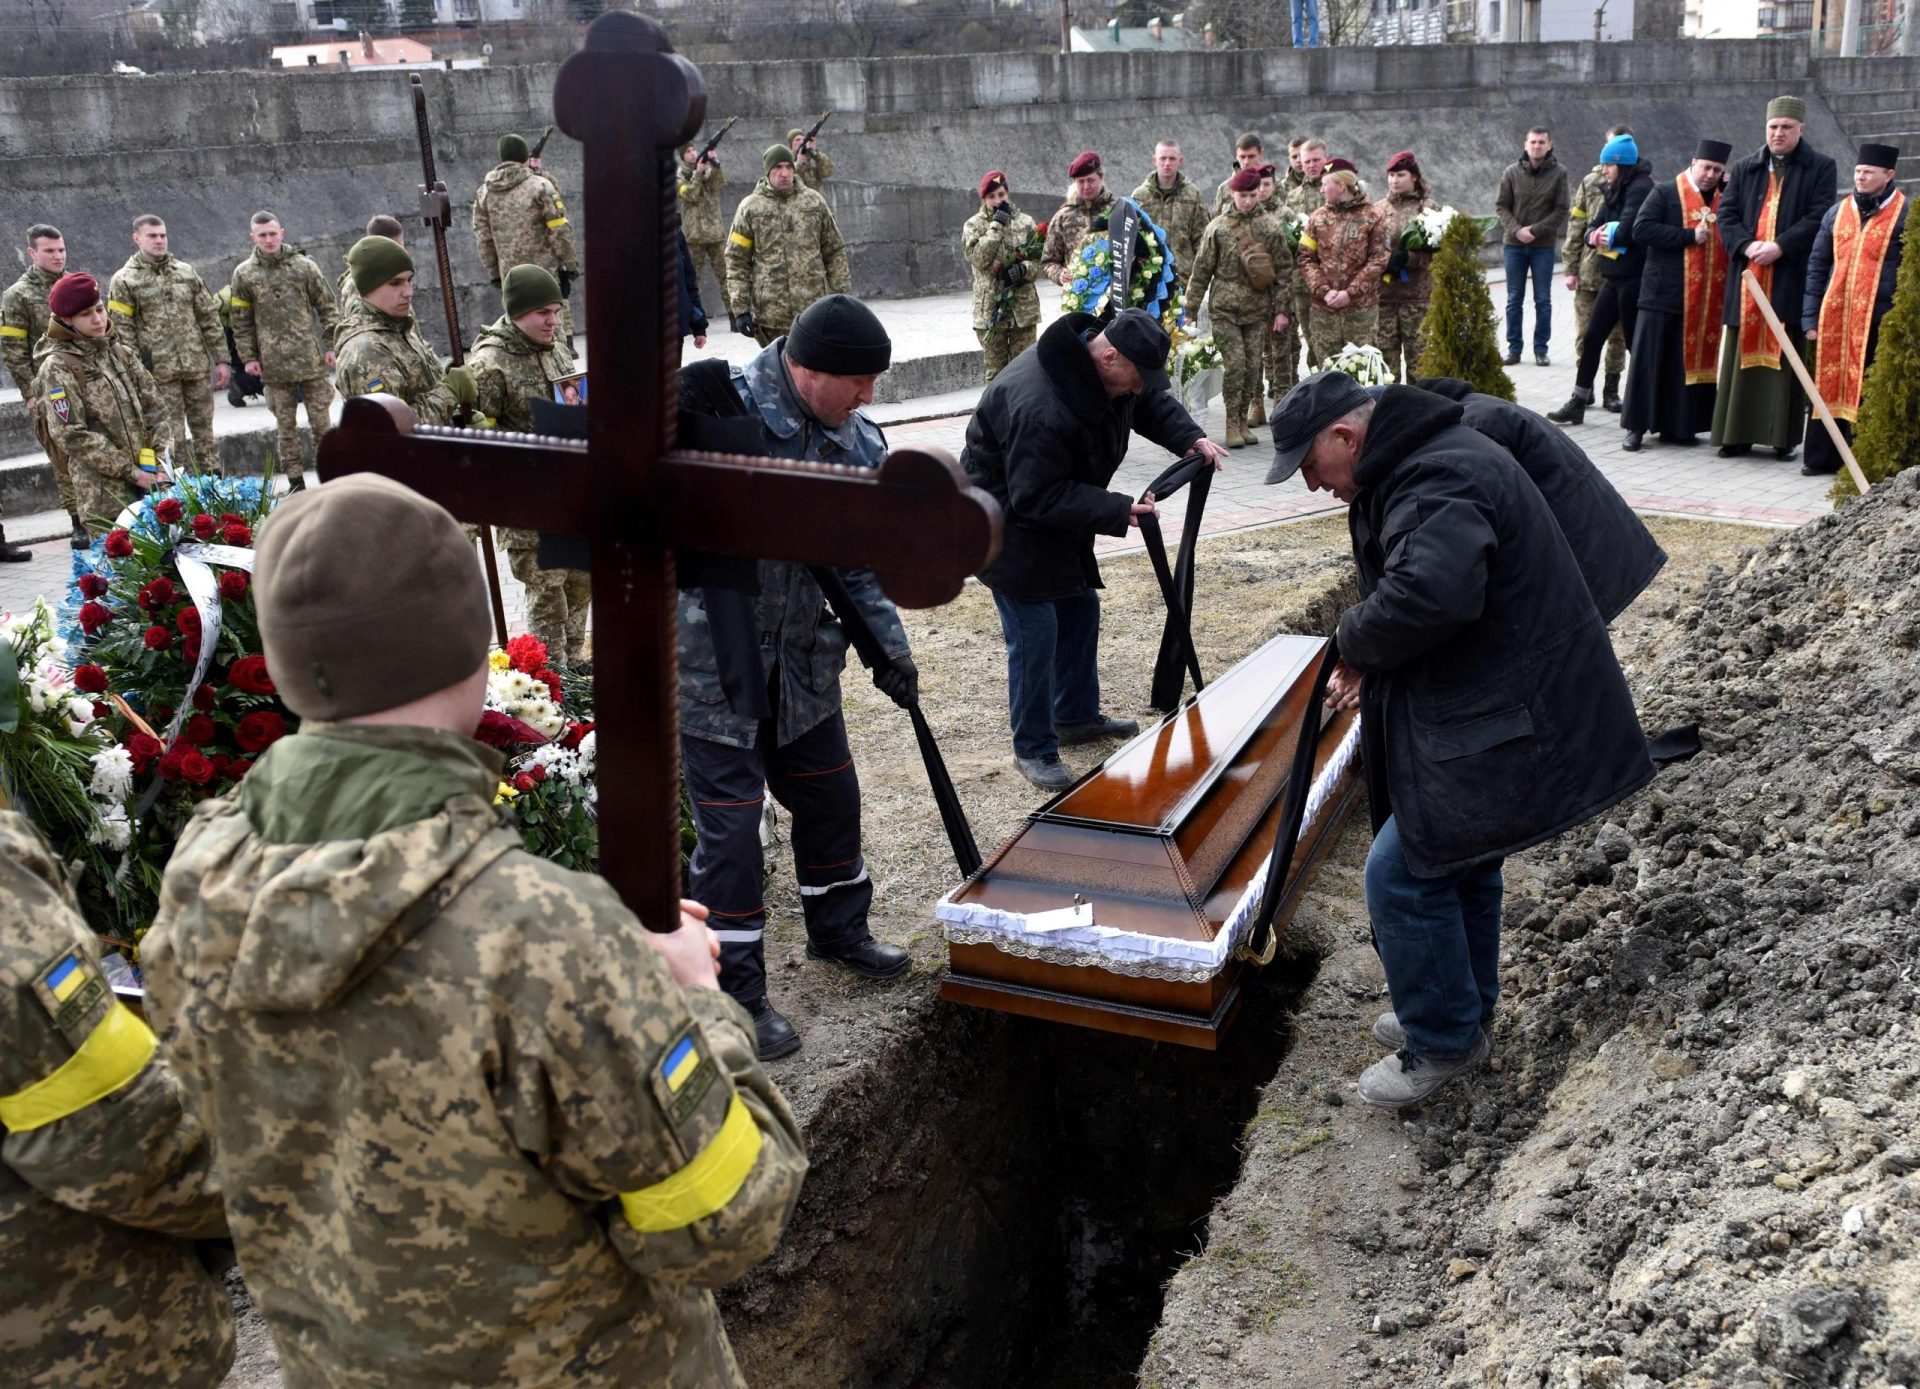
{"x":588,"y":750}
{"x":114,"y":830}
{"x":112,"y":774}
{"x":1364,"y":364}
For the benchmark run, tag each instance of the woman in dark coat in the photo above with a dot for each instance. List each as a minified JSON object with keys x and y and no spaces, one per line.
{"x":1629,"y":180}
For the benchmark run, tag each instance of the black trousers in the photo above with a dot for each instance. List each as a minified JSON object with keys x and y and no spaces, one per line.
{"x":1618,"y":303}
{"x":814,"y":778}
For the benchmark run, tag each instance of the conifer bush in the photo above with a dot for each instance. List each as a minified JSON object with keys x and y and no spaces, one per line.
{"x":1463,"y":340}
{"x":1886,"y":438}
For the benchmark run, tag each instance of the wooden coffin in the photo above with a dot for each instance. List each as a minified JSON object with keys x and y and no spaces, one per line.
{"x":1167,"y":842}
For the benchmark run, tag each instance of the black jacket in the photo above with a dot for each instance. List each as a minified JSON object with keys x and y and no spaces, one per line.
{"x":1622,"y":206}
{"x":1045,"y":440}
{"x":1496,"y":715}
{"x":693,"y":316}
{"x":1820,"y":264}
{"x":1811,"y":181}
{"x":1663,"y":234}
{"x":1617,"y":554}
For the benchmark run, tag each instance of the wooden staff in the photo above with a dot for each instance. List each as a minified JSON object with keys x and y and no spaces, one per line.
{"x":1792,"y":354}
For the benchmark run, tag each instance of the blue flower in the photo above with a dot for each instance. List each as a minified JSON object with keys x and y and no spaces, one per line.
{"x":1080,"y":286}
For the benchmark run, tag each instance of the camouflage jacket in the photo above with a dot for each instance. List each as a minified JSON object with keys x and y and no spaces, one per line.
{"x":813,"y":169}
{"x":24,"y":319}
{"x":348,"y":294}
{"x":1180,"y":213}
{"x":700,"y":205}
{"x":1068,"y":229}
{"x":276,"y":303}
{"x":989,"y":248}
{"x":1396,"y":211}
{"x":519,"y":218}
{"x":1576,"y":257}
{"x":98,"y":405}
{"x":798,"y":632}
{"x":511,"y":369}
{"x":471,"y":1129}
{"x":783,"y":252}
{"x":105,"y":1176}
{"x":164,"y":312}
{"x":1345,"y":248}
{"x":377,"y":353}
{"x":1222,"y":270}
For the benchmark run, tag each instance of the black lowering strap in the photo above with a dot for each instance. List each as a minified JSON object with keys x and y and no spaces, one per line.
{"x":1258,"y":942}
{"x":1177,"y":657}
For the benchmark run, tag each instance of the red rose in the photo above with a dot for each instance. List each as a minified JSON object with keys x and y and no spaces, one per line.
{"x":576,"y":732}
{"x":238,"y":767}
{"x":203,"y":699}
{"x":527,"y":653}
{"x":119,"y":544}
{"x":190,"y":648}
{"x":249,"y":675}
{"x":259,"y":731}
{"x":157,"y":638}
{"x":157,"y":594}
{"x":169,"y":768}
{"x":233,"y":584}
{"x":144,"y":748}
{"x":228,"y":518}
{"x":195,"y":768}
{"x":101,"y":709}
{"x":92,"y":586}
{"x":237,"y":534}
{"x":168,"y":511}
{"x":200,"y":730}
{"x":204,"y":526}
{"x":188,"y":620}
{"x":538,"y":773}
{"x":523,"y":782}
{"x":94,"y":616}
{"x":89,"y":679}
{"x":220,"y":764}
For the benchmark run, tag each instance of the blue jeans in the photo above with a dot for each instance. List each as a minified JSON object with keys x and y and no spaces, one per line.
{"x":1310,"y":11}
{"x":1439,"y":940}
{"x":1521,"y":259}
{"x":1053,"y":675}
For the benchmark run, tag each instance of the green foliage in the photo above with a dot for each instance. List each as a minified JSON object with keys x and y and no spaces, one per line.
{"x":1886,"y":438}
{"x":1463,"y":340}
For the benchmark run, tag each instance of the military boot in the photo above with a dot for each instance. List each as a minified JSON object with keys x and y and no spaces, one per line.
{"x":1236,"y":435}
{"x":1575,"y":410}
{"x":11,"y":553}
{"x":1259,"y":415}
{"x":80,"y":539}
{"x":1610,"y":393}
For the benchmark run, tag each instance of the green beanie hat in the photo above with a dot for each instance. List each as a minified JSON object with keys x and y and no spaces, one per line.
{"x":526,"y":288}
{"x":794,"y":134}
{"x":376,"y":259}
{"x":776,"y":154}
{"x":513,"y":149}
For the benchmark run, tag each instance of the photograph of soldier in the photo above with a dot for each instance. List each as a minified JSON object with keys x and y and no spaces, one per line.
{"x":1006,"y":306}
{"x":166,"y":314}
{"x":783,"y":251}
{"x":519,"y":218}
{"x":1245,"y":275}
{"x":284,"y":320}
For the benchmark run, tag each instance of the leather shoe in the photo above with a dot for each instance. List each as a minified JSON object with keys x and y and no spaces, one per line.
{"x":1540,"y":359}
{"x":867,"y":958}
{"x":1633,"y":440}
{"x":1093,"y":730}
{"x":1049,"y":773}
{"x":1814,"y":470}
{"x":773,"y":1035}
{"x":1513,"y":357}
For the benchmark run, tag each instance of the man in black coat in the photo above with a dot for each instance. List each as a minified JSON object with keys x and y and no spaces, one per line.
{"x":1494,"y":714}
{"x":1769,"y":215}
{"x":1629,"y":179}
{"x":1045,"y":440}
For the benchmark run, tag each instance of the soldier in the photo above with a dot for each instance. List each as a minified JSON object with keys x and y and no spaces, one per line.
{"x":1583,"y":263}
{"x":1300,"y":201}
{"x":811,"y":166}
{"x":241,"y":383}
{"x":519,"y":218}
{"x":783,"y":252}
{"x":24,"y":319}
{"x":343,"y":288}
{"x":1246,"y":264}
{"x":1408,"y":281}
{"x":1343,"y":254}
{"x":518,"y":359}
{"x":700,"y":182}
{"x":381,"y":348}
{"x":165,"y":313}
{"x":1170,"y":199}
{"x":1249,"y":152}
{"x":105,"y":1175}
{"x":99,"y":410}
{"x":1088,"y":202}
{"x":1006,"y":306}
{"x":277,"y":295}
{"x":475,"y":1124}
{"x":1296,"y":175}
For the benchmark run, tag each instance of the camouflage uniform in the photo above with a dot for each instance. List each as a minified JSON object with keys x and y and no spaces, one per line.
{"x":519,"y":218}
{"x":24,"y":320}
{"x":376,"y":353}
{"x":1242,"y":316}
{"x":98,"y":410}
{"x":273,"y":306}
{"x":471,"y":1129}
{"x":1299,"y":202}
{"x":105,"y":1176}
{"x":1403,"y":303}
{"x":511,"y":369}
{"x":1181,"y":213}
{"x":1344,"y":248}
{"x":990,"y":247}
{"x":700,"y":220}
{"x":348,"y":293}
{"x":783,"y":252}
{"x":1068,"y":229}
{"x":165,"y":313}
{"x":812,"y":168}
{"x":1578,"y":258}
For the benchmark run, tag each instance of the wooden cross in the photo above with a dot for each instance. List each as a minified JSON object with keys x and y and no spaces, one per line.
{"x":630,"y":100}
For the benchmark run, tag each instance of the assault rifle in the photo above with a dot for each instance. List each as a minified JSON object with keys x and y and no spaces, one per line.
{"x":540,"y":144}
{"x":806,"y":141}
{"x":714,"y":144}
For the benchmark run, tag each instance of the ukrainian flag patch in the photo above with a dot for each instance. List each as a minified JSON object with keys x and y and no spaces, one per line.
{"x":65,"y":979}
{"x":687,"y":1073}
{"x":378,"y":383}
{"x":71,"y":989}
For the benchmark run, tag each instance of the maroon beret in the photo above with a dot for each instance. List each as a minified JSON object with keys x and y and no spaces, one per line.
{"x":1403,"y":160}
{"x":73,"y":293}
{"x":1245,"y":181}
{"x":1088,"y":163}
{"x":1268,"y":171}
{"x":1341,"y":165}
{"x":994,"y":179}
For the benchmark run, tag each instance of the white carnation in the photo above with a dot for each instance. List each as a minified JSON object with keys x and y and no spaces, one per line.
{"x":112,"y":774}
{"x":115,"y":831}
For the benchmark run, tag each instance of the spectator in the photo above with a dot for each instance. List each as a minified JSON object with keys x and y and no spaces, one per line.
{"x":1532,"y":207}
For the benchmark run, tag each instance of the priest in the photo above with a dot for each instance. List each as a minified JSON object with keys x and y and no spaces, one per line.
{"x":1769,"y":215}
{"x":1676,"y":340}
{"x":1850,"y":280}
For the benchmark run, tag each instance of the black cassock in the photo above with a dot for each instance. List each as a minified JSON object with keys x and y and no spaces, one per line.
{"x":1658,"y":398}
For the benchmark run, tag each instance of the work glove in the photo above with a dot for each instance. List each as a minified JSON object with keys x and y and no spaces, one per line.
{"x":461,"y":383}
{"x":1002,"y":216}
{"x":743,"y":324}
{"x":566,"y":284}
{"x":1017,"y":273}
{"x":1396,"y":262}
{"x":899,"y":681}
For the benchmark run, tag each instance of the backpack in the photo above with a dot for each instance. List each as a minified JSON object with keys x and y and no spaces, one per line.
{"x":1256,"y":259}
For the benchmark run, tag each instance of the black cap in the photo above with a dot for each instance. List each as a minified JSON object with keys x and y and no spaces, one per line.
{"x":1716,"y":151}
{"x":840,"y":336}
{"x":1139,"y":338}
{"x":1309,"y":408}
{"x":1879,"y":156}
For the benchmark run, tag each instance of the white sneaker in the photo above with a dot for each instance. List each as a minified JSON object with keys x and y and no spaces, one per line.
{"x":1396,"y":1081}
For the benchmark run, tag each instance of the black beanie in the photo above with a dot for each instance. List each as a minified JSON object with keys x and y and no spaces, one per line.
{"x":840,"y":336}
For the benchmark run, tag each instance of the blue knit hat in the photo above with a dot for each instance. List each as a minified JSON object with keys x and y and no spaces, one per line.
{"x":1620,"y":150}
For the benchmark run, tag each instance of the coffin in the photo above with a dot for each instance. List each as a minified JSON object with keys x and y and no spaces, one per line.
{"x":1167,"y":844}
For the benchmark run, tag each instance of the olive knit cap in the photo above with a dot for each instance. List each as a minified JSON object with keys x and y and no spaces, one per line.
{"x":514,"y":149}
{"x":376,"y":259}
{"x":1791,"y":107}
{"x":526,"y":288}
{"x":794,"y":134}
{"x":368,"y":598}
{"x":776,"y":154}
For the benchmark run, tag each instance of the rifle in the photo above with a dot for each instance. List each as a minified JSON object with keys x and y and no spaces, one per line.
{"x":540,"y":144}
{"x":806,"y":141}
{"x":714,"y":144}
{"x":436,"y":210}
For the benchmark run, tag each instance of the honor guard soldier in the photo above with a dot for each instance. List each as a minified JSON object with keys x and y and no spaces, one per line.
{"x":166,"y":314}
{"x":1088,"y":202}
{"x":699,"y":185}
{"x":377,"y":225}
{"x":1406,"y":286}
{"x":519,"y":218}
{"x":1249,"y":152}
{"x":1169,"y":198}
{"x":1246,"y":266}
{"x":1006,"y":306}
{"x":381,"y":350}
{"x":284,"y":319}
{"x":1343,"y":254}
{"x":810,"y":166}
{"x":783,"y":252}
{"x":24,"y":319}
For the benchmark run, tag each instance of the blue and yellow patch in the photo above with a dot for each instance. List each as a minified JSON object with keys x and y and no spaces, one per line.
{"x":687,"y":1073}
{"x":379,"y":383}
{"x":57,"y":398}
{"x":71,"y":989}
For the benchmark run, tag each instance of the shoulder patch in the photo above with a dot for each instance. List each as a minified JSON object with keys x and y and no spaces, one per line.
{"x":71,"y":989}
{"x":62,"y":407}
{"x":684,"y":1082}
{"x":378,"y":383}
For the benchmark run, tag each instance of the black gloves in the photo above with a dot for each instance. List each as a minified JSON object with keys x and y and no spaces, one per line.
{"x":1017,"y":273}
{"x":899,"y":682}
{"x":566,"y":283}
{"x":496,"y":282}
{"x":1002,"y":216}
{"x":1396,"y":262}
{"x":743,"y":323}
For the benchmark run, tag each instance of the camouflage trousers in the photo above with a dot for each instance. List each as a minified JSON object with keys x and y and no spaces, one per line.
{"x":1280,"y":362}
{"x":97,"y":500}
{"x":765,"y":333}
{"x":190,"y":407}
{"x":283,"y":400}
{"x":1400,"y":332}
{"x":1333,"y":329}
{"x":62,"y":473}
{"x":1003,"y":342}
{"x":558,"y":602}
{"x":1240,"y":347}
{"x":713,"y":255}
{"x":1616,"y":340}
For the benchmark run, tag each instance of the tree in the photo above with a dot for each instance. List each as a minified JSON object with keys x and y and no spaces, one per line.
{"x":1462,"y":339}
{"x":1886,"y":438}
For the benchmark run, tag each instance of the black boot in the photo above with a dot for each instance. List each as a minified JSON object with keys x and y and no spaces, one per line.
{"x":1610,"y":393}
{"x":10,"y":553}
{"x":1575,"y":410}
{"x":773,"y":1035}
{"x":296,"y":483}
{"x":1635,"y":438}
{"x":81,"y":540}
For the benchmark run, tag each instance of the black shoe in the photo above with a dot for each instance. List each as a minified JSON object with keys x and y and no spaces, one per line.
{"x":1575,"y":410}
{"x":235,"y":396}
{"x":1610,"y":393}
{"x":1787,"y":454}
{"x":867,"y":958}
{"x":1735,"y":450}
{"x":773,"y":1035}
{"x":296,"y":483}
{"x":1540,"y":360}
{"x":1093,"y":730}
{"x":10,"y":553}
{"x":1633,"y":441}
{"x":1513,"y":356}
{"x":80,"y":540}
{"x":1815,"y":470}
{"x":1049,"y":773}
